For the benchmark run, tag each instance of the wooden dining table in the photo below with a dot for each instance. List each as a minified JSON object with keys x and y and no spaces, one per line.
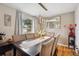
{"x":30,"y":47}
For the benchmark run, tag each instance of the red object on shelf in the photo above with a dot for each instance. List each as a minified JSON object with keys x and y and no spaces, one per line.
{"x":75,"y":24}
{"x":70,"y":24}
{"x":72,"y":30}
{"x":64,"y":25}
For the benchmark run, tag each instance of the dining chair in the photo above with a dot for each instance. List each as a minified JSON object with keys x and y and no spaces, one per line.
{"x":36,"y":35}
{"x":17,"y":38}
{"x":30,"y":36}
{"x":55,"y":44}
{"x":49,"y":33}
{"x":46,"y":48}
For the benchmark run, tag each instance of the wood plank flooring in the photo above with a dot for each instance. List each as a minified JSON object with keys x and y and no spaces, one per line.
{"x":64,"y":51}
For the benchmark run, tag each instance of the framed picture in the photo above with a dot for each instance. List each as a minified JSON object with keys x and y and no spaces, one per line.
{"x":7,"y":20}
{"x":54,"y":23}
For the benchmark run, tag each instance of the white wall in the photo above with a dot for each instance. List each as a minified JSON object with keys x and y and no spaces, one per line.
{"x":67,"y":19}
{"x":77,"y":27}
{"x":9,"y":30}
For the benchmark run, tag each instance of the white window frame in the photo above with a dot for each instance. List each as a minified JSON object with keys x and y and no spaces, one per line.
{"x":32,"y":29}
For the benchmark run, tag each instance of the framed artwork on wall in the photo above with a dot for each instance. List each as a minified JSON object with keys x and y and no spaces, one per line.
{"x":54,"y":23}
{"x":7,"y":20}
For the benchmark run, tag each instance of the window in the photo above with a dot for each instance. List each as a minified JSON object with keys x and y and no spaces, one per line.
{"x":53,"y":23}
{"x":27,"y":26}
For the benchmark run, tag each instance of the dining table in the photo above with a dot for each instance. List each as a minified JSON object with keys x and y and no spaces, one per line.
{"x":30,"y":47}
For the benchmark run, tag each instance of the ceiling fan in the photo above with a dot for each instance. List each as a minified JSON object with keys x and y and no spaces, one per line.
{"x":43,"y":6}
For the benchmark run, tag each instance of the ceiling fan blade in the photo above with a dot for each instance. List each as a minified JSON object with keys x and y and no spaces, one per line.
{"x":43,"y":6}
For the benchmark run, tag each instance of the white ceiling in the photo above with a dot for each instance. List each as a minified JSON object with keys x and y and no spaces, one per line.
{"x":35,"y":9}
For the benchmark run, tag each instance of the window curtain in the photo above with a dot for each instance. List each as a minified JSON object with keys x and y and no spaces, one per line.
{"x":18,"y":23}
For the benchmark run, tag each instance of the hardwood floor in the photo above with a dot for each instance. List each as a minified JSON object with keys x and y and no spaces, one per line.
{"x":64,"y":51}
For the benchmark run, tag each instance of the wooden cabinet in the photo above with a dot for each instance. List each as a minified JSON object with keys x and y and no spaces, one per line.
{"x":9,"y":53}
{"x":6,"y":49}
{"x":18,"y":53}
